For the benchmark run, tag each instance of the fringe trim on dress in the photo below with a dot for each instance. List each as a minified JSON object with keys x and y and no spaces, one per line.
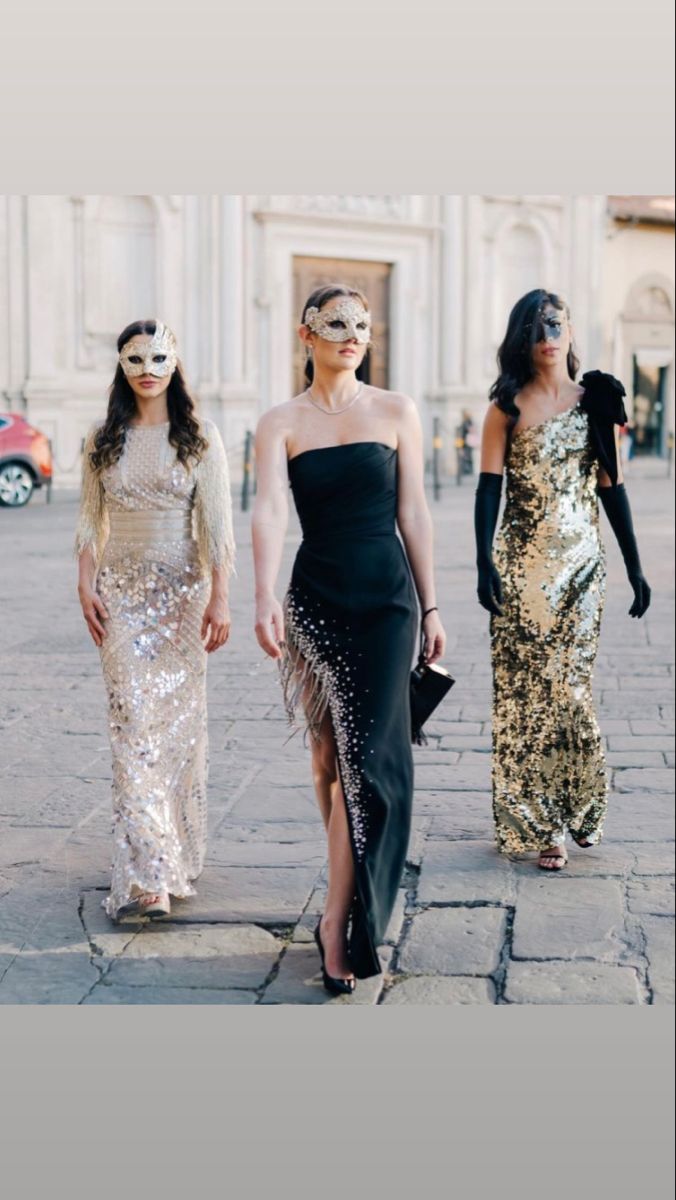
{"x":306,"y":678}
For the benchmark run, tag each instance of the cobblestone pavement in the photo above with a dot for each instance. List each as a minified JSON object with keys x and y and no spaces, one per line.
{"x":469,"y":927}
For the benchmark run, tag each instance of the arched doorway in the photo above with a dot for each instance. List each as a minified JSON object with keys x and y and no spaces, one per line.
{"x":371,"y":278}
{"x":648,"y":337}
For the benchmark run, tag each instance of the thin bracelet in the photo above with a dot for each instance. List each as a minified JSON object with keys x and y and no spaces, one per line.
{"x":429,"y":610}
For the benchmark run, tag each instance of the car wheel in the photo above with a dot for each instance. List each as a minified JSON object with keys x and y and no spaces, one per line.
{"x":16,"y":485}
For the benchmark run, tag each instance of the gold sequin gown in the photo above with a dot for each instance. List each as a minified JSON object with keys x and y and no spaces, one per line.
{"x":156,"y":529}
{"x":549,"y":773}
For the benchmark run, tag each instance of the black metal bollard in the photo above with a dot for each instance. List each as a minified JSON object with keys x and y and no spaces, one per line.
{"x":437,"y":446}
{"x":459,"y":452}
{"x":48,"y":485}
{"x":247,"y":468}
{"x":670,"y":453}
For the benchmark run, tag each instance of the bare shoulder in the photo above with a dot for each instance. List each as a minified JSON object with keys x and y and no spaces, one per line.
{"x":496,"y":420}
{"x":395,"y":405}
{"x":277,"y":421}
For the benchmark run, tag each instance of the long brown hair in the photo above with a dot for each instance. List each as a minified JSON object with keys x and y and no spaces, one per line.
{"x":184,"y":430}
{"x":318,"y":299}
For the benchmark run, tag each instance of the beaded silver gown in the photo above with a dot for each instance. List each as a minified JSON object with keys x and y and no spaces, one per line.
{"x":156,"y":528}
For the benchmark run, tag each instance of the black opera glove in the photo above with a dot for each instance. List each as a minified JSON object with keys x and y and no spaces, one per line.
{"x":486,"y":509}
{"x":616,"y":504}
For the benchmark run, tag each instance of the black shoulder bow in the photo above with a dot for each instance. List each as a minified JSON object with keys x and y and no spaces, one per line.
{"x":603,"y":403}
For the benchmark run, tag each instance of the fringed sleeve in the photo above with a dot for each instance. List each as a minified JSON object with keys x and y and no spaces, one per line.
{"x":213,"y":504}
{"x":92,"y":526}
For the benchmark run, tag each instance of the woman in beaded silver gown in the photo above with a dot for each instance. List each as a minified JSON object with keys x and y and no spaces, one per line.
{"x":545,"y":586}
{"x":155,"y":548}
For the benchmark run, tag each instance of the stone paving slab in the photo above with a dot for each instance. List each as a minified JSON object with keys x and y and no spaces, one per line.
{"x":469,"y":926}
{"x":213,"y":956}
{"x":225,"y":852}
{"x":157,"y":994}
{"x":48,"y":978}
{"x":640,"y":817}
{"x":652,"y":896}
{"x":653,"y":858}
{"x":457,"y":814}
{"x":569,"y":918}
{"x":267,"y":895}
{"x":580,"y":983}
{"x":436,"y":989}
{"x":460,"y":872}
{"x":659,"y":948}
{"x":454,"y":941}
{"x":646,"y":779}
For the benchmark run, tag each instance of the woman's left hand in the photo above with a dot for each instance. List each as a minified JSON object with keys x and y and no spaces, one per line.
{"x":216,"y":623}
{"x":434,"y":638}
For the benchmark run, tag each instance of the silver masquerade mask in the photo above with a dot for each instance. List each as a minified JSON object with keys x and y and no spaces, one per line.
{"x":549,"y":326}
{"x":155,"y":357}
{"x":348,"y":319}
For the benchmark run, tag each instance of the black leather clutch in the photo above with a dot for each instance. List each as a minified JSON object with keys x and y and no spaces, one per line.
{"x":429,"y":684}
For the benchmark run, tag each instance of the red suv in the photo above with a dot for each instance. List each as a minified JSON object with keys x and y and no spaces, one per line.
{"x":25,"y":460}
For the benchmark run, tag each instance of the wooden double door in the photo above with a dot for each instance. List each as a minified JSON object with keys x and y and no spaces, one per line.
{"x":370,"y":278}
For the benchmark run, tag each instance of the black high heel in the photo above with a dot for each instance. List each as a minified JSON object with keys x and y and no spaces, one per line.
{"x":337,"y":987}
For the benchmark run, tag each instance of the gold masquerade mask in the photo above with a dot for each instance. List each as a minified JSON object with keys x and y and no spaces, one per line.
{"x":155,"y":357}
{"x":348,"y":319}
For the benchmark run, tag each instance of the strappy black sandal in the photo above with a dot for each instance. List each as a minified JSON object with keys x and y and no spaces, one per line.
{"x":555,"y":856}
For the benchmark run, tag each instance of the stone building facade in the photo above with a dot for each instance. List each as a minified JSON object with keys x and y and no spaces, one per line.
{"x":229,"y":273}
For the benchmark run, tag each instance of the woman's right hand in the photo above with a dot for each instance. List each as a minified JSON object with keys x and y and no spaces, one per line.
{"x":489,"y":589}
{"x":94,"y":612}
{"x":270,"y":626}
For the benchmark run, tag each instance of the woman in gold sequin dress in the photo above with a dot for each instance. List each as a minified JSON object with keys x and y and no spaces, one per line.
{"x":155,"y":549}
{"x":556,"y":442}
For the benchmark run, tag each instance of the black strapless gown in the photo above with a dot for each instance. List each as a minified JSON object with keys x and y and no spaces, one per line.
{"x":351,"y":629}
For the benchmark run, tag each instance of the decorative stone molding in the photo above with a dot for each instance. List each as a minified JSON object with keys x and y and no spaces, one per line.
{"x":387,"y":207}
{"x":651,"y":299}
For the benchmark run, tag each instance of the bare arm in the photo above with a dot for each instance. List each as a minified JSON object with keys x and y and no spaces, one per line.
{"x":269,"y":524}
{"x":494,"y":441}
{"x":415,"y":524}
{"x":93,"y":608}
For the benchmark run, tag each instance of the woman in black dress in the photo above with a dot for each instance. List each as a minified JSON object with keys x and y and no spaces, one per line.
{"x":347,"y":632}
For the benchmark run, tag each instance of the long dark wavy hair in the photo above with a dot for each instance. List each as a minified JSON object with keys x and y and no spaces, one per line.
{"x":318,"y":299}
{"x":184,"y":430}
{"x":515,"y":356}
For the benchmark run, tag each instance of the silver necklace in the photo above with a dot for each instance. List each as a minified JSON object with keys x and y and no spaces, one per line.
{"x":334,"y":412}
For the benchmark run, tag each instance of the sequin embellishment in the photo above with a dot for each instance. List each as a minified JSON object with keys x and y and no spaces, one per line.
{"x":549,"y":772}
{"x":317,"y":674}
{"x":153,"y":582}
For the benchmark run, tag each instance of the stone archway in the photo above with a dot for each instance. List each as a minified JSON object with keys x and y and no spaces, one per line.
{"x":648,"y":361}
